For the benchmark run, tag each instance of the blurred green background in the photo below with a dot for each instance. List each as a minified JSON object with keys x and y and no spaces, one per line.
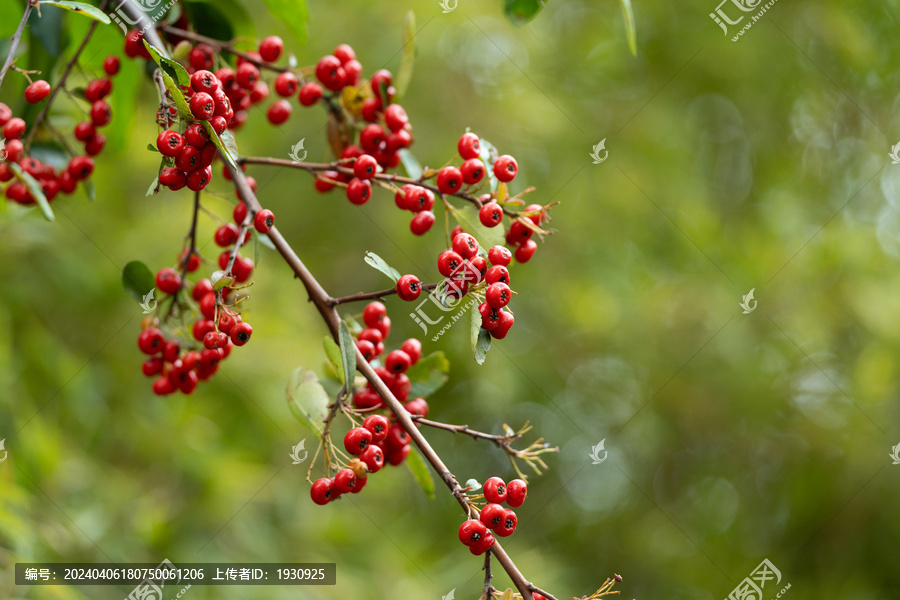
{"x":731,"y":437}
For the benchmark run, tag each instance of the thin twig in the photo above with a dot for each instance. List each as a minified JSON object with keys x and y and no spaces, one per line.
{"x":488,"y":586}
{"x":14,"y":42}
{"x":360,"y":296}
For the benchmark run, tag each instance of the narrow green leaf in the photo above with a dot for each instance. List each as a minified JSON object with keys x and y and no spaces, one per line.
{"x":292,"y":13}
{"x":308,"y":400}
{"x":379,"y":263}
{"x":488,"y":154}
{"x":89,"y":189}
{"x":80,"y":8}
{"x":169,"y":75}
{"x":348,"y":352}
{"x":34,"y":188}
{"x":266,"y":241}
{"x":182,"y":49}
{"x":334,"y":356}
{"x":410,"y":164}
{"x":482,"y":345}
{"x":520,"y":12}
{"x":223,"y":150}
{"x":428,"y":375}
{"x":420,"y":472}
{"x":137,"y":280}
{"x":220,"y":279}
{"x":153,"y":189}
{"x":229,"y":142}
{"x":404,"y":75}
{"x":630,"y":29}
{"x":474,"y":329}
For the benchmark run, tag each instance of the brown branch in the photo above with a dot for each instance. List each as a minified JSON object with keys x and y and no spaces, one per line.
{"x":14,"y":42}
{"x":488,"y":586}
{"x":227,"y":47}
{"x":360,"y":296}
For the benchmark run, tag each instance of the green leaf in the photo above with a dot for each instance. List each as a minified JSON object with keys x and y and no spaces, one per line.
{"x":404,"y":75}
{"x":474,"y":328}
{"x":429,"y":374}
{"x":221,"y":20}
{"x":220,"y":279}
{"x":34,"y":188}
{"x":472,"y":485}
{"x":348,"y":352}
{"x":153,"y":189}
{"x":152,"y":148}
{"x":292,"y":13}
{"x":520,"y":12}
{"x":223,"y":150}
{"x":80,"y":8}
{"x":410,"y":164}
{"x":482,"y":345}
{"x":171,"y":86}
{"x":378,"y":263}
{"x":420,"y":472}
{"x":137,"y":280}
{"x":266,"y":241}
{"x":630,"y":29}
{"x":333,"y":354}
{"x":488,"y":153}
{"x":88,"y":185}
{"x":48,"y":29}
{"x":487,"y":236}
{"x":308,"y":400}
{"x":229,"y":142}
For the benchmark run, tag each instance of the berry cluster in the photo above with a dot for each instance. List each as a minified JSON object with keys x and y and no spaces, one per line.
{"x":365,"y":445}
{"x":501,"y":521}
{"x":79,"y":168}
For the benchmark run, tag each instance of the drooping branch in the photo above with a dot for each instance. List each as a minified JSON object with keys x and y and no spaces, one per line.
{"x":14,"y":42}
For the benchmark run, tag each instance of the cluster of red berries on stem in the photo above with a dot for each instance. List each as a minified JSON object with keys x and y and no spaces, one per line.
{"x":365,"y":444}
{"x":501,"y":521}
{"x":79,"y":168}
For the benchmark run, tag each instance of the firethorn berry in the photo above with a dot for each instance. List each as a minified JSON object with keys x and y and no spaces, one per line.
{"x":240,"y":333}
{"x":366,"y":398}
{"x":418,"y":199}
{"x":101,"y":114}
{"x":471,"y":532}
{"x":152,"y":366}
{"x":397,"y":361}
{"x":196,"y":135}
{"x":365,"y":167}
{"x":310,"y":93}
{"x":477,"y":268}
{"x":537,"y":596}
{"x":449,"y":180}
{"x":508,"y":526}
{"x":162,"y":387}
{"x":380,"y":79}
{"x":373,"y":456}
{"x":397,"y":139}
{"x":371,"y":137}
{"x":484,"y":545}
{"x":201,"y":328}
{"x":538,"y":218}
{"x":259,"y":92}
{"x":378,"y":425}
{"x":172,"y":178}
{"x":286,"y":84}
{"x":344,"y":53}
{"x":171,"y":351}
{"x":111,"y":65}
{"x":465,"y":245}
{"x":408,"y":287}
{"x":97,"y":90}
{"x":500,"y":256}
{"x":472,"y":171}
{"x":240,"y":213}
{"x":506,"y":322}
{"x":418,"y":406}
{"x":226,"y":235}
{"x":498,"y":295}
{"x":151,"y":340}
{"x":492,"y":515}
{"x":526,"y":251}
{"x":397,"y":437}
{"x":395,"y":117}
{"x":14,"y":129}
{"x":359,"y":191}
{"x":199,"y":179}
{"x":495,"y":490}
{"x":94,"y":146}
{"x":330,"y":72}
{"x":357,"y":440}
{"x":270,"y":48}
{"x":208,"y":306}
{"x":468,"y":146}
{"x":322,"y":491}
{"x":86,"y":130}
{"x":345,"y":481}
{"x":37,"y":91}
{"x":169,"y":143}
{"x":264,"y":220}
{"x":215,"y":340}
{"x":201,"y":288}
{"x":413,"y":348}
{"x":247,"y":75}
{"x":243,"y":267}
{"x":498,"y":274}
{"x":373,"y":313}
{"x":188,"y":159}
{"x":490,"y":214}
{"x":516,"y":490}
{"x":383,"y":327}
{"x":168,"y":281}
{"x":518,"y":232}
{"x":372,"y":335}
{"x":448,"y":262}
{"x":505,"y":168}
{"x":422,"y":222}
{"x":203,"y":107}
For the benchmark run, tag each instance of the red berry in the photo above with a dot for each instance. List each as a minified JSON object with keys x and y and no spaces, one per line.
{"x":240,"y":333}
{"x":506,"y":321}
{"x":373,"y":313}
{"x":14,"y":129}
{"x":419,"y":199}
{"x":37,"y":91}
{"x":378,"y":425}
{"x":448,"y":262}
{"x":408,"y":287}
{"x":395,"y":117}
{"x":397,"y":437}
{"x":151,"y":340}
{"x":516,"y":490}
{"x":98,"y":89}
{"x":270,"y":48}
{"x":505,"y":168}
{"x":247,"y":75}
{"x":357,"y":440}
{"x":134,"y":45}
{"x":417,"y":407}
{"x":413,"y":348}
{"x":495,"y":490}
{"x":226,"y":235}
{"x":243,"y":267}
{"x":471,"y":532}
{"x":538,"y":218}
{"x":497,"y":274}
{"x":465,"y":245}
{"x":330,"y":72}
{"x":373,"y":456}
{"x":359,"y":191}
{"x":508,"y":525}
{"x":366,"y":398}
{"x":345,"y":481}
{"x":85,"y":131}
{"x":310,"y":93}
{"x":201,"y":328}
{"x":371,"y":334}
{"x":152,"y":366}
{"x":264,"y":220}
{"x":492,"y":515}
{"x":383,"y":327}
{"x":199,"y":179}
{"x":201,"y":57}
{"x":168,"y":281}
{"x":94,"y":146}
{"x":365,"y":167}
{"x":286,"y":84}
{"x":491,"y":214}
{"x":367,"y":349}
{"x":500,"y":255}
{"x":240,"y":213}
{"x":162,"y":387}
{"x":322,"y":491}
{"x":101,"y":114}
{"x":498,"y":295}
{"x":204,"y":81}
{"x":422,"y":222}
{"x":370,"y":137}
{"x":526,"y":251}
{"x":111,"y":65}
{"x":397,"y":140}
{"x":203,"y":107}
{"x":449,"y":180}
{"x":381,"y":80}
{"x":344,"y":53}
{"x":201,"y":288}
{"x":397,"y":361}
{"x":169,"y":143}
{"x":172,"y":178}
{"x":484,"y":545}
{"x":468,"y":146}
{"x":472,"y":171}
